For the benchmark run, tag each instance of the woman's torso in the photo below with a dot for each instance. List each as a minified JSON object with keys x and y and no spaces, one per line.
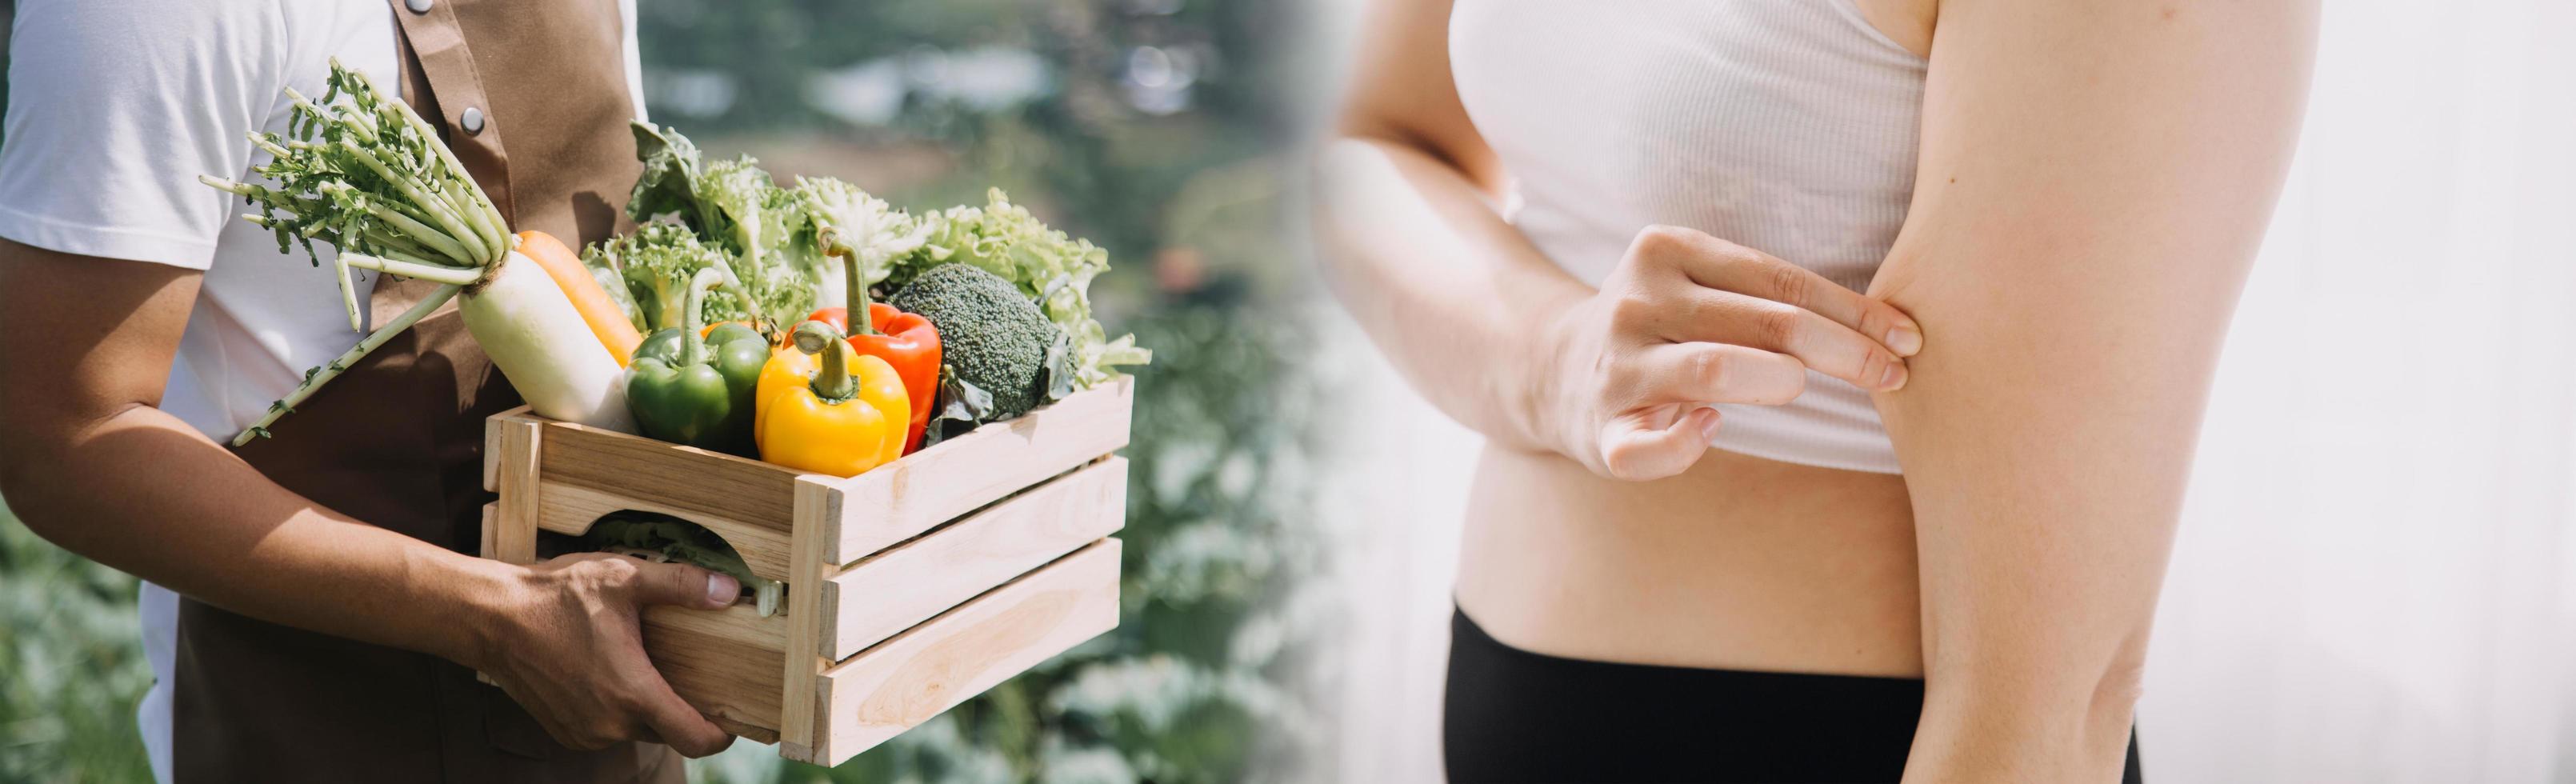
{"x":1788,"y":126}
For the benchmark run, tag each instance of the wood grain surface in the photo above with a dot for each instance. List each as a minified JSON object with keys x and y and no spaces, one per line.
{"x":876,"y":509}
{"x":886,"y":593}
{"x":923,"y":672}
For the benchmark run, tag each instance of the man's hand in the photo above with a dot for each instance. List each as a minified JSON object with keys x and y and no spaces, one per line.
{"x":565,"y":641}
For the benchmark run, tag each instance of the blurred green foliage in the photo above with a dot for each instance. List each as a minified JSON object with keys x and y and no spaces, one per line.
{"x":1158,"y":129}
{"x":1162,"y":130}
{"x":71,"y":665}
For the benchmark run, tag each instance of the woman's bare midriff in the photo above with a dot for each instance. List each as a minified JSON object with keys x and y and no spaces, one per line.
{"x":1740,"y":563}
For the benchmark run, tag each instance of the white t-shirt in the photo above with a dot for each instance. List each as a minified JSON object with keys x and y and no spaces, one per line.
{"x":115,"y":108}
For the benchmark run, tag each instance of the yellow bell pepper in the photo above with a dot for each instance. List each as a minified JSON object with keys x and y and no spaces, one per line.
{"x":841,"y":415}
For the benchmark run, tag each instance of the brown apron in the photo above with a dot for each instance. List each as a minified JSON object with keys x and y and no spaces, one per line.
{"x":397,"y":440}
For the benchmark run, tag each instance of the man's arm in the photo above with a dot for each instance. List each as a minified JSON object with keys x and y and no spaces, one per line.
{"x":2094,"y":179}
{"x":89,"y":462}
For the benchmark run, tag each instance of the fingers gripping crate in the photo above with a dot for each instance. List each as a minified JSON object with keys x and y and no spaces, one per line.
{"x":910,"y":588}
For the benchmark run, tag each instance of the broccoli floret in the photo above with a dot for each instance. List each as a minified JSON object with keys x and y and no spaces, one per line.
{"x":993,"y":335}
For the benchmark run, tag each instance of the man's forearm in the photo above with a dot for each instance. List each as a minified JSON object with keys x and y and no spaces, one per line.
{"x":143,"y":492}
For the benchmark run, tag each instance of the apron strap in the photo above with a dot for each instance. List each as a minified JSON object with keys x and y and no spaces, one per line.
{"x":390,"y":296}
{"x":437,"y":42}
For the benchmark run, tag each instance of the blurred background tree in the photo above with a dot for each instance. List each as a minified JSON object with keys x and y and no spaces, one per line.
{"x":1162,"y":130}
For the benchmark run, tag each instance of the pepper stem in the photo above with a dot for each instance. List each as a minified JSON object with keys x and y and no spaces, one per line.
{"x":693,"y":347}
{"x":861,"y":321}
{"x":832,"y":381}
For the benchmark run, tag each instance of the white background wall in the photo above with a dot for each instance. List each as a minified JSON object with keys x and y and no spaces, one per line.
{"x":2371,"y":580}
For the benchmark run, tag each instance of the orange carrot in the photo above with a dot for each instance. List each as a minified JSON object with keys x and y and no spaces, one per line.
{"x":606,"y":320}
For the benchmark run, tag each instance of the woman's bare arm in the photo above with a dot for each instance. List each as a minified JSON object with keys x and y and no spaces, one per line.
{"x":1418,"y":254}
{"x":2095,"y":177}
{"x":1500,"y":338}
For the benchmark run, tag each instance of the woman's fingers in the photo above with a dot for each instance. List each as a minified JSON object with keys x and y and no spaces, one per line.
{"x":1708,"y":373}
{"x":1754,"y":273}
{"x":1656,"y":441}
{"x":1726,"y":266}
{"x":1824,"y":345}
{"x":1693,"y":321}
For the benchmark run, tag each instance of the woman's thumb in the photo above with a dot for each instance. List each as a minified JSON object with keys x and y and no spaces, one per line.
{"x":1657,"y":442}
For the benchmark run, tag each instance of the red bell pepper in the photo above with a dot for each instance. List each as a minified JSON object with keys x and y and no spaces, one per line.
{"x":904,"y":340}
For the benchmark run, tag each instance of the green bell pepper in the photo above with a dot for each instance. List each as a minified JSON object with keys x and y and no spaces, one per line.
{"x":698,"y":391}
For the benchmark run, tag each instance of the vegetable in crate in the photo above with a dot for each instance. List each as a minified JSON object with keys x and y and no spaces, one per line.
{"x":1047,"y":266}
{"x":907,"y":342}
{"x":656,"y":263}
{"x":864,"y":232}
{"x":735,"y":209}
{"x":367,"y":176}
{"x":693,"y":390}
{"x":841,"y":415}
{"x":599,"y":310}
{"x":994,"y":337}
{"x":838,"y":232}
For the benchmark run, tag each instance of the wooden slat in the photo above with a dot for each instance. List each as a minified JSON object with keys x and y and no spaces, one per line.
{"x":751,"y":732}
{"x":514,"y":531}
{"x":571,"y":509}
{"x":874,"y":510}
{"x":670,"y":475}
{"x":886,"y":593}
{"x":801,"y":662}
{"x":773,"y":679}
{"x":492,"y":445}
{"x":723,"y":662}
{"x":491,"y":526}
{"x":923,"y":672}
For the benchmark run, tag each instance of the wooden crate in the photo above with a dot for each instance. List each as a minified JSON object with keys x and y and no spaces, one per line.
{"x":910,"y":588}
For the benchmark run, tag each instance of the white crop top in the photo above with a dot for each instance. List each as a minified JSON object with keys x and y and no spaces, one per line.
{"x":1786,"y":126}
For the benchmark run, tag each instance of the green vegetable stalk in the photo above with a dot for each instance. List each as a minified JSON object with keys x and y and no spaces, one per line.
{"x":366,"y":175}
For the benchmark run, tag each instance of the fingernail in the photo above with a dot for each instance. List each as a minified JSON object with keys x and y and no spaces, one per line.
{"x":1707,"y":423}
{"x":1904,"y":340}
{"x":722,"y":589}
{"x":1893,"y":378}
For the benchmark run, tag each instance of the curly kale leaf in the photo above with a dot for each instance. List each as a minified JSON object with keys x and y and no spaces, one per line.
{"x":732,"y":206}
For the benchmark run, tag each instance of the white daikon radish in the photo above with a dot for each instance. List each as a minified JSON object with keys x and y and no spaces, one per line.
{"x":371,"y":178}
{"x":538,"y":339}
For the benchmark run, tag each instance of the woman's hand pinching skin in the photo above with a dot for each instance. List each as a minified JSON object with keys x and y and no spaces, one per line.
{"x":1687,"y":320}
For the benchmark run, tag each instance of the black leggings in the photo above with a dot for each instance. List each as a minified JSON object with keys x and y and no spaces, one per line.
{"x":1513,"y":715}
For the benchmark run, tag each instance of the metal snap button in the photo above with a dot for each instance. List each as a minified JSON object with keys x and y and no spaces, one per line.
{"x":417,"y":6}
{"x":472,"y":119}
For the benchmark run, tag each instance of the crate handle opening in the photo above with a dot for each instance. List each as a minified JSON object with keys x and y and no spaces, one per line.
{"x":670,"y":538}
